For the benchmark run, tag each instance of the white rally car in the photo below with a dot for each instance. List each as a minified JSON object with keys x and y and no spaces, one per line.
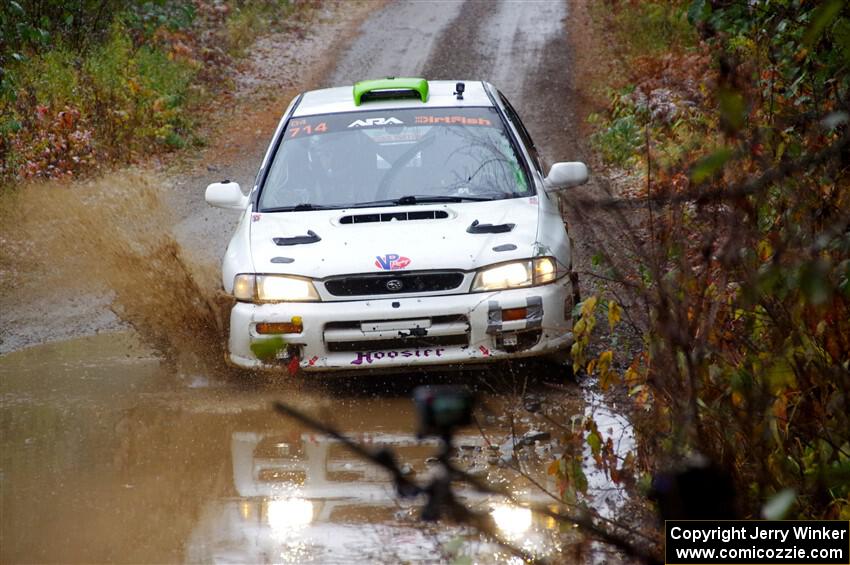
{"x":399,"y":223}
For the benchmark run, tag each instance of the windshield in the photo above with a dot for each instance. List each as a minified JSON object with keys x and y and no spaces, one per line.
{"x":393,"y":157}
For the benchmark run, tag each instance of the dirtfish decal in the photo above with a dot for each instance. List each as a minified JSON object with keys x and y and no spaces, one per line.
{"x":368,"y":122}
{"x":391,"y":262}
{"x":371,"y":356}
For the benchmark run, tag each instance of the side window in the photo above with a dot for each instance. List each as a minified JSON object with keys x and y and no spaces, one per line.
{"x":523,"y":133}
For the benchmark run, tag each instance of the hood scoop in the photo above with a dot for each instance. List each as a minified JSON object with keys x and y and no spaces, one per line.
{"x":311,"y":237}
{"x":475,"y":227}
{"x":395,"y":216}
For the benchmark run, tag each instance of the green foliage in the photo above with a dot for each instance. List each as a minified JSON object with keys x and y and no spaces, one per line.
{"x":751,"y":340}
{"x":748,"y":343}
{"x":582,"y":330}
{"x":106,"y":71}
{"x":148,"y":17}
{"x":825,"y":15}
{"x":162,"y":75}
{"x":51,"y":79}
{"x":619,"y":141}
{"x":87,"y":82}
{"x":71,"y":111}
{"x":710,"y":165}
{"x":32,"y":27}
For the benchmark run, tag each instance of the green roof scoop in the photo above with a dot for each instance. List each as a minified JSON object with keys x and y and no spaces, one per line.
{"x":391,"y":87}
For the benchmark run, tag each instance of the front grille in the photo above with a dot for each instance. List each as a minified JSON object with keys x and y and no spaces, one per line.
{"x":446,"y":330}
{"x":399,"y":343}
{"x":394,"y":283}
{"x":435,"y":320}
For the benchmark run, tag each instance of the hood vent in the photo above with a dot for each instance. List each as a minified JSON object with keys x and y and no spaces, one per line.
{"x":311,"y":237}
{"x":476,"y":227}
{"x":395,"y":216}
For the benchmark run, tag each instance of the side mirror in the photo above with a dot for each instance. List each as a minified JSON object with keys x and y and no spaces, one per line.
{"x":565,"y":175}
{"x":226,"y":194}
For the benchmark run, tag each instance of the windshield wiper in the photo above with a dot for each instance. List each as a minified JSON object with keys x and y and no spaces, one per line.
{"x":305,"y":207}
{"x":423,"y":199}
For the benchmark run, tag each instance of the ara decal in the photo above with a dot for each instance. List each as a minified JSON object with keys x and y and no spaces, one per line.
{"x":368,"y":122}
{"x":256,"y":217}
{"x":391,"y":262}
{"x":370,"y":357}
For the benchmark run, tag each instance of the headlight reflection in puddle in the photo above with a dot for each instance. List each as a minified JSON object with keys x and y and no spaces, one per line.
{"x":513,"y":521}
{"x":288,"y":514}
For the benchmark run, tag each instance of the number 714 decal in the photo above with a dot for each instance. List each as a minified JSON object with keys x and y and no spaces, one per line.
{"x":300,"y":127}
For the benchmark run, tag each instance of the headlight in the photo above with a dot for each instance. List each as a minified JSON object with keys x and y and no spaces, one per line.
{"x":516,"y":274}
{"x":273,"y":288}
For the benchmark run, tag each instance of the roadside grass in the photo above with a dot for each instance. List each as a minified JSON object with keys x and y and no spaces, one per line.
{"x":653,"y":49}
{"x":651,"y":27}
{"x":248,"y":20}
{"x":136,"y":83}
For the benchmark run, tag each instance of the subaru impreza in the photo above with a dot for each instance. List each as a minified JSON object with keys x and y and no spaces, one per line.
{"x":399,"y":223}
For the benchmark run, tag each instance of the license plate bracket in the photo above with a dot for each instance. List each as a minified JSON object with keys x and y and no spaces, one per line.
{"x":393,"y":325}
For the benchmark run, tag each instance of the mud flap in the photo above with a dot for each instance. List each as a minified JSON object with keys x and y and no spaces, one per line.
{"x":534,"y":316}
{"x":576,"y":295}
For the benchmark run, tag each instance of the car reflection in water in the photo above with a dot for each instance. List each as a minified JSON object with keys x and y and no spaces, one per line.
{"x":306,"y":498}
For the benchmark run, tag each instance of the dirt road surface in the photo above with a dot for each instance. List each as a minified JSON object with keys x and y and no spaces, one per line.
{"x":109,"y":452}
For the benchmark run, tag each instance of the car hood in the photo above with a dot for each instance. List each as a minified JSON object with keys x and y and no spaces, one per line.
{"x":394,"y":245}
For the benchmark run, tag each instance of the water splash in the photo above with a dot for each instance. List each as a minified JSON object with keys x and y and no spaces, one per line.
{"x":114,"y":236}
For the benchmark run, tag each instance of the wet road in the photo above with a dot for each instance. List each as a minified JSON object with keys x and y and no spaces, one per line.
{"x":110,"y":456}
{"x":109,"y":453}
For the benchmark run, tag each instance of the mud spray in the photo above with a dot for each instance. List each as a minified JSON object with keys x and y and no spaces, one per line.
{"x":114,"y":235}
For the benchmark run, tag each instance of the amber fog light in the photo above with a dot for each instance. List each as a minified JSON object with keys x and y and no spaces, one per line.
{"x":514,"y":314}
{"x":293,"y":327}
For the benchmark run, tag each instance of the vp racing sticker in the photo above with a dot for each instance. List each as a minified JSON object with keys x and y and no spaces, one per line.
{"x":391,"y":262}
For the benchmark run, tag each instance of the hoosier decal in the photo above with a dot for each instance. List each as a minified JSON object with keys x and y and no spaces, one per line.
{"x":370,"y":357}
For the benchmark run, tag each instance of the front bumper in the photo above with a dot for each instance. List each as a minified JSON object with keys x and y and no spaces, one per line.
{"x":421,"y":332}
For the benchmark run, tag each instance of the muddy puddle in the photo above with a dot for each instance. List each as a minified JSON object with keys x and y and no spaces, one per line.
{"x":110,"y":454}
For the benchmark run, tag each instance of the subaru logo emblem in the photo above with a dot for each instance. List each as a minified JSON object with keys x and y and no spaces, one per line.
{"x":394,"y":285}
